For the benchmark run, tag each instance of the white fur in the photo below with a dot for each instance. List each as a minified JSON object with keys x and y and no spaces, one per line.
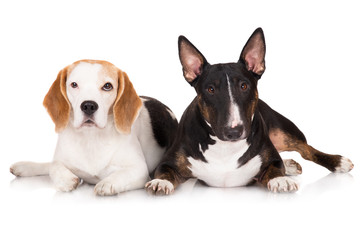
{"x":208,"y":124}
{"x":160,"y":185}
{"x":222,"y":167}
{"x":282,"y":184}
{"x":292,"y":168}
{"x":98,"y":154}
{"x":345,"y":165}
{"x":29,"y":169}
{"x":90,"y":78}
{"x":62,"y":177}
{"x":171,"y":114}
{"x":234,"y":116}
{"x":150,"y":147}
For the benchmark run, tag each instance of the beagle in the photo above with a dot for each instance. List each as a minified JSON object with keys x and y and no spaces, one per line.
{"x":107,"y":134}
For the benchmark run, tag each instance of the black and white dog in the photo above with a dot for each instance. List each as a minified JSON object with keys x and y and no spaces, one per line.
{"x":228,"y":137}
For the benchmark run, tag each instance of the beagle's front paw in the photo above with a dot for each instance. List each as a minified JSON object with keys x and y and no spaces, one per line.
{"x":20,"y":169}
{"x":63,"y":179}
{"x":159,"y":187}
{"x":105,"y":188}
{"x":67,"y":183}
{"x":282,"y":184}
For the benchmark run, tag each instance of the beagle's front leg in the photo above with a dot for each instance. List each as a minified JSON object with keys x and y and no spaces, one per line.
{"x":127,"y":171}
{"x":127,"y":178}
{"x":63,"y":179}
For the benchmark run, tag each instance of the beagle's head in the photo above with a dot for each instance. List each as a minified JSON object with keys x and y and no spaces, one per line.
{"x":86,"y":92}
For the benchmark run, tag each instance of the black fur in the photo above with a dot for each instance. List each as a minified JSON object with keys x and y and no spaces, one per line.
{"x":266,"y":131}
{"x":163,"y":125}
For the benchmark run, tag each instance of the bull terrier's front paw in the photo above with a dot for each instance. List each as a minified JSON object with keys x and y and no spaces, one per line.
{"x":282,"y":184}
{"x":159,"y":187}
{"x":344,"y":166}
{"x":292,"y":168}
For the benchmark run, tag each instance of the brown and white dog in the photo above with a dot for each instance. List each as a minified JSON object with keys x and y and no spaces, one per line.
{"x":108,"y":135}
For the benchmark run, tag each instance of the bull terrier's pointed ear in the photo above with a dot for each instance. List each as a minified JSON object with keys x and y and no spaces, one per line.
{"x":253,"y":54}
{"x":191,"y":59}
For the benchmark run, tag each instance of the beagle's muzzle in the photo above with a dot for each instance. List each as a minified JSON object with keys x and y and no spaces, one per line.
{"x":108,"y":135}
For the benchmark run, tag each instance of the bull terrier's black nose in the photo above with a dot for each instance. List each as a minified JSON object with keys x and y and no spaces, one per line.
{"x":89,"y":107}
{"x":233,"y":134}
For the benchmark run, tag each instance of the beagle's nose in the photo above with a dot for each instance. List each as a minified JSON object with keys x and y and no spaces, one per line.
{"x":89,"y":107}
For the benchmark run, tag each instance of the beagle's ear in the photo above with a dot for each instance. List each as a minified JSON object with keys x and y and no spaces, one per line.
{"x":56,"y":102}
{"x":127,"y":104}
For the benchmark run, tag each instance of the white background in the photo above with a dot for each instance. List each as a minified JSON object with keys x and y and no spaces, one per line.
{"x":312,"y":78}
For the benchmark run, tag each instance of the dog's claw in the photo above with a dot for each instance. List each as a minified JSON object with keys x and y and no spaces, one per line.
{"x":159,"y":187}
{"x":282,"y":184}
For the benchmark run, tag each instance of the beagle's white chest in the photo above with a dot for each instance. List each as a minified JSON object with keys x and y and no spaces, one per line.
{"x":91,"y":156}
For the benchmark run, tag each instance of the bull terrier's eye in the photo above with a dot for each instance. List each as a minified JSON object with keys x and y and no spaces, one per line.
{"x":74,"y":85}
{"x":107,"y":87}
{"x":211,"y":90}
{"x":243,"y":86}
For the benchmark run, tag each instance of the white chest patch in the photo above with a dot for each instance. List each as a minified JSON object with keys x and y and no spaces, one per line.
{"x":221,"y":168}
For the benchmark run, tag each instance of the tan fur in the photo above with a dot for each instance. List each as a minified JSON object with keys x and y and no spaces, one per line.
{"x":127,"y":104}
{"x":183,"y":164}
{"x":278,"y":138}
{"x":284,"y":142}
{"x":253,"y":105}
{"x":57,"y":103}
{"x":205,"y":111}
{"x":126,"y":107}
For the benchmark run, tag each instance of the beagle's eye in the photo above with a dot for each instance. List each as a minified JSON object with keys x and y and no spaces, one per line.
{"x":74,"y":85}
{"x":243,"y":86}
{"x":107,"y":87}
{"x":211,"y":90}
